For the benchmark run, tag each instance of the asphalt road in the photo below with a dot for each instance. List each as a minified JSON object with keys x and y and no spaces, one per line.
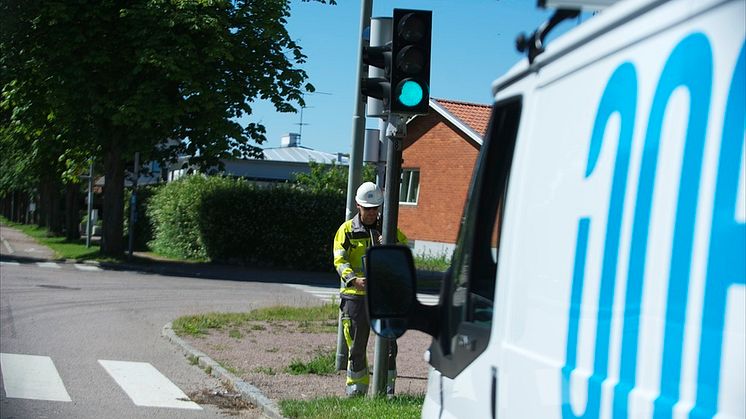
{"x":83,"y":317}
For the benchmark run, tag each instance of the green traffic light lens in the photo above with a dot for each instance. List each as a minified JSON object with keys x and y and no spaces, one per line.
{"x":410,"y":93}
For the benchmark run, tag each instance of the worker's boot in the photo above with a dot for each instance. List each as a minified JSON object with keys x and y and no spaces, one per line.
{"x":357,"y":383}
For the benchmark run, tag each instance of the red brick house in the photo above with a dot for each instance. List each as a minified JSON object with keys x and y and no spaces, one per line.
{"x":439,"y":155}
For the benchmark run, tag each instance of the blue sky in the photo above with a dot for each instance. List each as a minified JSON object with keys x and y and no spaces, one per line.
{"x":473,"y":42}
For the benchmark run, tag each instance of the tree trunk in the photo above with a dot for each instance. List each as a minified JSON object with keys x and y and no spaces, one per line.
{"x":50,"y":215}
{"x":50,"y":202}
{"x":41,"y":220}
{"x":112,"y":243}
{"x":56,"y":220}
{"x":72,"y":211}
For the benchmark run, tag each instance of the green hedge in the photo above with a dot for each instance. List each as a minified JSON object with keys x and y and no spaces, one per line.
{"x":228,"y":220}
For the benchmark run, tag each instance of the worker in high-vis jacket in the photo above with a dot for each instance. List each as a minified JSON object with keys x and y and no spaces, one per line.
{"x":351,"y":241}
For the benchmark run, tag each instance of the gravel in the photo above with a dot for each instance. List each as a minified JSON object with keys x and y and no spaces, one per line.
{"x":260,"y":353}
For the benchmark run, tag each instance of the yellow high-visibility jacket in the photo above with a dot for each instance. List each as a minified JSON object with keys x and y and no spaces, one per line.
{"x":350,"y":243}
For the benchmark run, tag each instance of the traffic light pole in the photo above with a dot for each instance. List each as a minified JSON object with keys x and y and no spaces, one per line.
{"x":395,"y":132}
{"x":356,"y":157}
{"x":397,"y":87}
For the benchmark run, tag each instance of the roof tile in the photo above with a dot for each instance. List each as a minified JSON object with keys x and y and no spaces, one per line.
{"x":475,"y":115}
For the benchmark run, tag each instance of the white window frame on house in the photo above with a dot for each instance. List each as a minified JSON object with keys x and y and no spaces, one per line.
{"x":409,"y":191}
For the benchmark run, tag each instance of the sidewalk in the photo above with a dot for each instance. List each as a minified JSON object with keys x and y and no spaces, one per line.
{"x":15,"y":244}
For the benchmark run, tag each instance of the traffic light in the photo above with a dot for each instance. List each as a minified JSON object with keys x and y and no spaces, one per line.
{"x":378,"y":87}
{"x":410,"y":62}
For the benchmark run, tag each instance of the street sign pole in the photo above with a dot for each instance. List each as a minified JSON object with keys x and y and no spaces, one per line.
{"x":133,"y":205}
{"x":88,"y":224}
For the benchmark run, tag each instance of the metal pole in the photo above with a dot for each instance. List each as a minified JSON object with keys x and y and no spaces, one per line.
{"x":358,"y":116}
{"x":381,"y":164}
{"x":356,"y":157}
{"x":381,"y":34}
{"x":395,"y":132}
{"x":133,"y":204}
{"x":88,"y":224}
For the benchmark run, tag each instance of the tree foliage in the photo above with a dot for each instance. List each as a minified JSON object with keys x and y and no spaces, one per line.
{"x":159,"y":77}
{"x":325,"y":177}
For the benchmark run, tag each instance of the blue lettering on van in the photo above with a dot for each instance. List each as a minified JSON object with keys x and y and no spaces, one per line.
{"x":726,"y":265}
{"x":690,"y":66}
{"x":619,"y":97}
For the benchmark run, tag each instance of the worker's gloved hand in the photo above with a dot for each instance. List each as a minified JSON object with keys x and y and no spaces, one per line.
{"x":359,"y":283}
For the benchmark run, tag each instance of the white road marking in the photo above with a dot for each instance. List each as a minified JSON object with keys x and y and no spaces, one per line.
{"x":327,"y":294}
{"x":10,"y":263}
{"x":7,"y":246}
{"x":85,"y":267}
{"x":48,"y":265}
{"x":32,"y":377}
{"x":146,"y":386}
{"x":428,"y":300}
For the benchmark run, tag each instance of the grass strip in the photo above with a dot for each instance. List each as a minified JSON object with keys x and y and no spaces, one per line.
{"x":401,"y":406}
{"x":321,"y":364}
{"x":430,"y":262}
{"x":199,"y":324}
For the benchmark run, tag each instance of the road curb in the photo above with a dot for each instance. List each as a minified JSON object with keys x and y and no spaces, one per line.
{"x":248,"y":392}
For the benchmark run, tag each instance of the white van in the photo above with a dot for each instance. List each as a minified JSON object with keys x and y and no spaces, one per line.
{"x":611,"y":187}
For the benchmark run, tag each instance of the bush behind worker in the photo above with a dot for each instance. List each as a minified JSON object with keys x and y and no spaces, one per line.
{"x":351,"y":241}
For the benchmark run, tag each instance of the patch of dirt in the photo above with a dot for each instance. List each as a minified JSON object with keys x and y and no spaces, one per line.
{"x":230,"y":402}
{"x":261,"y":352}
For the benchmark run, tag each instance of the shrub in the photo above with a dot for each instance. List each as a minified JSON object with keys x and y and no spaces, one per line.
{"x":174,"y":210}
{"x":232,"y":220}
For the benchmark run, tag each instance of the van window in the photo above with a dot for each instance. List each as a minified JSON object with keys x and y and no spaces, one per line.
{"x":470,"y":295}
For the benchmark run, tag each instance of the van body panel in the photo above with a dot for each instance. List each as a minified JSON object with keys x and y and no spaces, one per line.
{"x":432,"y":404}
{"x":620,"y":287}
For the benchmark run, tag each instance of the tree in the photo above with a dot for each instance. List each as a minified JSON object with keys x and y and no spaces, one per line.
{"x":325,"y":177}
{"x":134,"y":76}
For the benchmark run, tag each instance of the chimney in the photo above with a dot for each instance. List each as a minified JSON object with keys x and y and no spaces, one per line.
{"x":290,"y":140}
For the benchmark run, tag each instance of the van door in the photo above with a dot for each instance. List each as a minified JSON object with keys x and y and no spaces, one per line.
{"x":469,"y":373}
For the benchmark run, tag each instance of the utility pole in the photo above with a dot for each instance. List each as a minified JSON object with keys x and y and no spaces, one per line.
{"x":356,"y":157}
{"x":358,"y":116}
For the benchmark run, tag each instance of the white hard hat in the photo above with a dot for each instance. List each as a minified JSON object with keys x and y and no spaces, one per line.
{"x":369,"y":195}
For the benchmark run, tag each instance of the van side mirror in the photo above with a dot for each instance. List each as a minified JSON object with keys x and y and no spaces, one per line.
{"x":392,"y":289}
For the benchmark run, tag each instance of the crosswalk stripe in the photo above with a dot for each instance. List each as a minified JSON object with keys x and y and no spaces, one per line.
{"x":10,"y":263}
{"x":32,"y":377}
{"x":146,"y":386}
{"x":84,"y":267}
{"x":47,"y":265}
{"x":327,"y":294}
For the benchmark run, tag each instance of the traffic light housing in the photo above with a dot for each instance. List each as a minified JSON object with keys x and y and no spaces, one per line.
{"x":378,"y":87}
{"x":409,"y":77}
